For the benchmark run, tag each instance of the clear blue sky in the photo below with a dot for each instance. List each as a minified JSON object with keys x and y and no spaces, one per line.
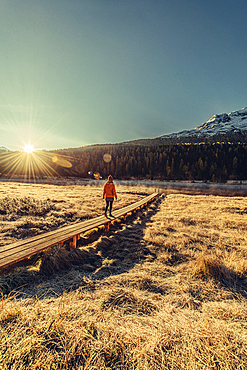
{"x":79,"y":72}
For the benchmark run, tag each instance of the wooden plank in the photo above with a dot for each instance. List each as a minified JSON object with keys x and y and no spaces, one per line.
{"x":60,"y":231}
{"x":79,"y":227}
{"x":17,"y":251}
{"x":49,"y":239}
{"x":66,"y":232}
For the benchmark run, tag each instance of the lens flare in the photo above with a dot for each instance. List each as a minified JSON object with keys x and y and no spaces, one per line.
{"x":54,"y":159}
{"x":107,"y":158}
{"x":30,"y":167}
{"x":97,"y":176}
{"x":61,"y":162}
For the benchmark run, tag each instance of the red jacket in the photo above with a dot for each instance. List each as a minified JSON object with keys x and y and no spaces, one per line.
{"x":109,"y":190}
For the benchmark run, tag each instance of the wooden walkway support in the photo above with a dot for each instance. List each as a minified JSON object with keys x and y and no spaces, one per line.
{"x":20,"y":250}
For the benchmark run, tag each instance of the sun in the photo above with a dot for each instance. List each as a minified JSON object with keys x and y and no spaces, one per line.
{"x":28,"y":148}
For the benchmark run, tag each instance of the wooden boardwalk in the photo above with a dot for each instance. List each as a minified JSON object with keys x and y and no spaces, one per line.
{"x":20,"y":250}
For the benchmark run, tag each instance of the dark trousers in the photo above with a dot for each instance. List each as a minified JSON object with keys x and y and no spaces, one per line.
{"x":108,"y":202}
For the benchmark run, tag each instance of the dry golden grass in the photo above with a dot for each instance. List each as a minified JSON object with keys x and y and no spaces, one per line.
{"x":167,"y":289}
{"x":29,"y":209}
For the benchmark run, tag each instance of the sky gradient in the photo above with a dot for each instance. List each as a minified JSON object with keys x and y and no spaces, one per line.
{"x":80,"y":72}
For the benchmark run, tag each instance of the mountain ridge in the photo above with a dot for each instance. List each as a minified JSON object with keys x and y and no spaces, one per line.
{"x":228,"y":128}
{"x":232,"y":126}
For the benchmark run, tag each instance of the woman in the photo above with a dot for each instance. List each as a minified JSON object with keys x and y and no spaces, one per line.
{"x":109,"y":193}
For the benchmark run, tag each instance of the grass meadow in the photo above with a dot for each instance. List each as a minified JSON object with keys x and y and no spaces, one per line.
{"x":164,"y":289}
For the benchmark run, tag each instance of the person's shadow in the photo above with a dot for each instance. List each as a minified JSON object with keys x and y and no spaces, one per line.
{"x":100,"y":255}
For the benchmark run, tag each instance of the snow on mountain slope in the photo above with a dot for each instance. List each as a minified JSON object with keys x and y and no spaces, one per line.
{"x":234,"y":122}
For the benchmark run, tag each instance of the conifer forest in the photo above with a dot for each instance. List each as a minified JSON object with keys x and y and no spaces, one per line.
{"x":211,"y":162}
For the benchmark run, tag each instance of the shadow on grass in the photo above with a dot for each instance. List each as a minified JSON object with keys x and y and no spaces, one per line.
{"x":98,"y":256}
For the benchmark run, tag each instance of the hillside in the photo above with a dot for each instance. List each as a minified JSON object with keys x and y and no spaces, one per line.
{"x":165,"y":288}
{"x":231,"y":127}
{"x":205,"y":162}
{"x":214,"y":151}
{"x":211,"y":162}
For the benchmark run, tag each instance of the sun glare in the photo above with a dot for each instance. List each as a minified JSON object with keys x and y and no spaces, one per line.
{"x":28,"y":148}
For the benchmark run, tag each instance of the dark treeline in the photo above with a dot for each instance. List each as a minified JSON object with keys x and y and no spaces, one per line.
{"x":212,"y":162}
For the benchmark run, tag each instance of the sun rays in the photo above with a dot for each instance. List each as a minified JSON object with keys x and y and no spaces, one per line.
{"x":23,"y":124}
{"x":30,"y":164}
